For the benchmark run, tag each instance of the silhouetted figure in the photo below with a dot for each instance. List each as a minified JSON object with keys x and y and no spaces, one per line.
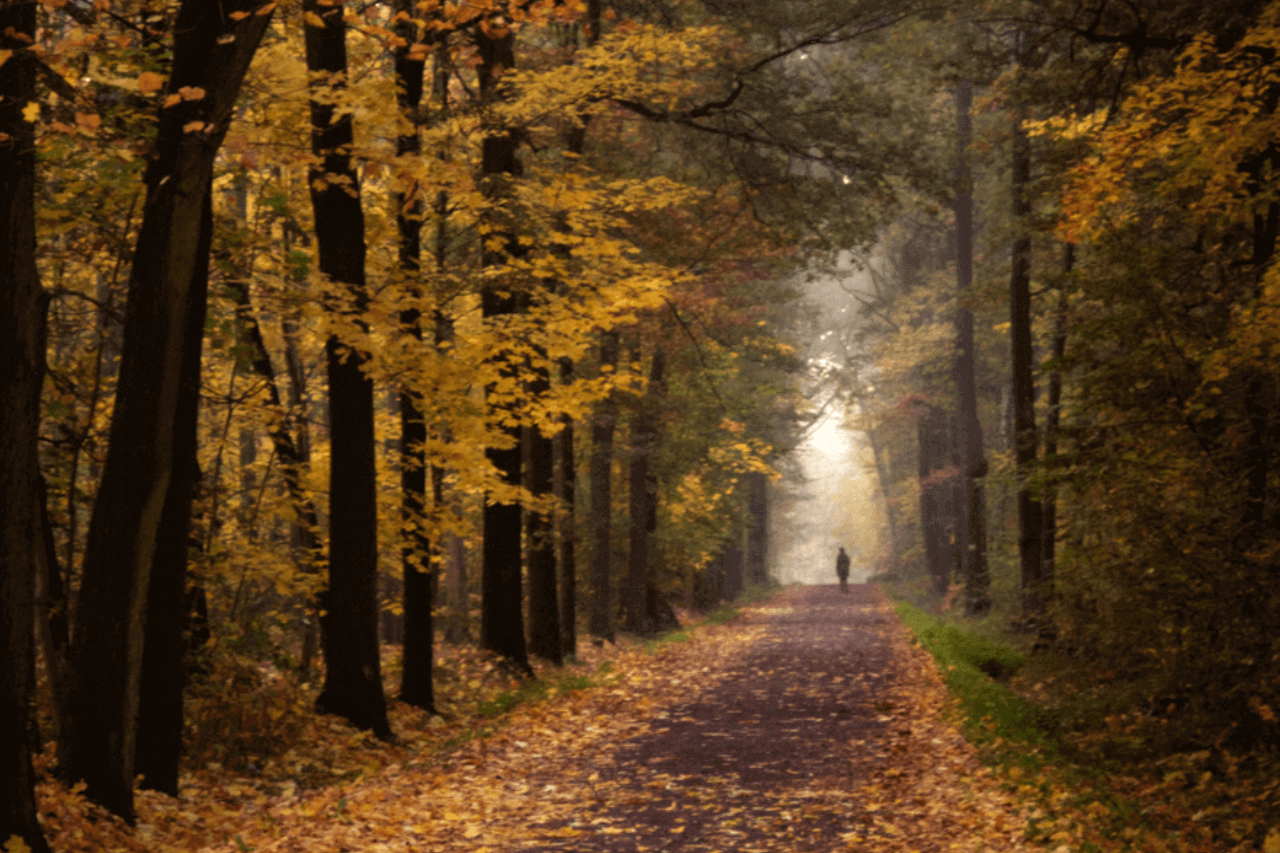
{"x":842,"y":570}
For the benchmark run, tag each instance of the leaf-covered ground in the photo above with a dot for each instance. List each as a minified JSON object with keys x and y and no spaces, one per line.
{"x":810,"y":723}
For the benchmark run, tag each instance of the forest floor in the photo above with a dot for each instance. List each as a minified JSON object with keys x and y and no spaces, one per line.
{"x":812,"y":721}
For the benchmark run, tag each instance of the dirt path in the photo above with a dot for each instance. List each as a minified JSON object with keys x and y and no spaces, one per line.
{"x":810,"y":723}
{"x":761,"y":761}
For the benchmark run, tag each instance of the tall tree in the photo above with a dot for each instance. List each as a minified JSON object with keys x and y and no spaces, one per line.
{"x":23,"y":304}
{"x":544,"y":603}
{"x":566,"y":493}
{"x":501,"y":614}
{"x":349,"y":626}
{"x":643,"y":498}
{"x":212,"y":48}
{"x":603,"y":425}
{"x":164,"y":652}
{"x":1025,"y":439}
{"x":758,"y":528}
{"x":937,"y":510}
{"x":1052,"y":428}
{"x":973,"y":539}
{"x":416,"y":560}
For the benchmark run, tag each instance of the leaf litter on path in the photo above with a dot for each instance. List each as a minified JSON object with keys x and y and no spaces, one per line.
{"x":809,"y":723}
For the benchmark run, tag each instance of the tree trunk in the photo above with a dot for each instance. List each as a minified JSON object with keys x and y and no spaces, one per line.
{"x":758,"y":529}
{"x":416,"y":561}
{"x":164,"y":651}
{"x":642,"y":499}
{"x":349,"y":626}
{"x":23,"y":305}
{"x":211,"y":52}
{"x":933,"y":432}
{"x":1025,"y":439}
{"x":51,"y":613}
{"x":566,"y":489}
{"x":973,"y":557}
{"x":544,"y":604}
{"x":1049,"y":506}
{"x":733,"y":563}
{"x":602,"y":429}
{"x":501,"y":608}
{"x":567,"y":474}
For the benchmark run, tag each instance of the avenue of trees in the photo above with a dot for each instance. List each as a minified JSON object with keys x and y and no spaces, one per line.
{"x":324,"y":326}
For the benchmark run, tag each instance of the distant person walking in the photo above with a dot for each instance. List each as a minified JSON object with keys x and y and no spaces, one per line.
{"x":842,"y":570}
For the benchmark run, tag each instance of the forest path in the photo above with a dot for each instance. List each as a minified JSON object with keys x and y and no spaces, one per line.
{"x":808,"y":723}
{"x":765,"y":759}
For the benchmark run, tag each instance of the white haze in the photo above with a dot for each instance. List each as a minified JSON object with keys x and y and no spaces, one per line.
{"x":833,"y":499}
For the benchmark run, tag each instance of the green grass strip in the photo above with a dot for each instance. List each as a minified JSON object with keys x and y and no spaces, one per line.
{"x":1006,"y":728}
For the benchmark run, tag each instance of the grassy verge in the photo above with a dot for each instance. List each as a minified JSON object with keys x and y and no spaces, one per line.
{"x":1005,"y":727}
{"x":1056,"y":741}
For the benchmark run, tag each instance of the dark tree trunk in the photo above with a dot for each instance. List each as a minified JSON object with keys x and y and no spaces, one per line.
{"x":734,"y":557}
{"x":54,"y":628}
{"x":602,"y":428}
{"x":23,"y":304}
{"x":1049,"y":506}
{"x":544,"y":604}
{"x":212,"y":52}
{"x":937,"y":514}
{"x":642,"y":499}
{"x":758,"y":531}
{"x":164,"y":650}
{"x":566,"y":482}
{"x":973,"y":553}
{"x":501,"y":607}
{"x":416,"y":687}
{"x":1025,"y":439}
{"x":349,"y":626}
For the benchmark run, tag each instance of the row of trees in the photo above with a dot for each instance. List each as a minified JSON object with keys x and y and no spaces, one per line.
{"x":1075,"y":344}
{"x":306,"y":302}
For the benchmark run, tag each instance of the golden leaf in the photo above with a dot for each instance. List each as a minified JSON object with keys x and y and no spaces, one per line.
{"x":149,"y":82}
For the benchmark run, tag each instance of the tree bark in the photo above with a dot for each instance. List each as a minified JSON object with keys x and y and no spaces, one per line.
{"x":349,"y":626}
{"x":164,"y":652}
{"x":758,"y":528}
{"x":501,"y":609}
{"x":23,"y":306}
{"x":544,"y":604}
{"x":567,"y":475}
{"x":211,"y":52}
{"x":51,"y":613}
{"x":566,"y":493}
{"x":973,"y":543}
{"x":602,"y":428}
{"x":643,"y":499}
{"x":933,"y":433}
{"x":417,"y":564}
{"x":1049,"y":504}
{"x":734,"y":558}
{"x":1025,"y":438}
